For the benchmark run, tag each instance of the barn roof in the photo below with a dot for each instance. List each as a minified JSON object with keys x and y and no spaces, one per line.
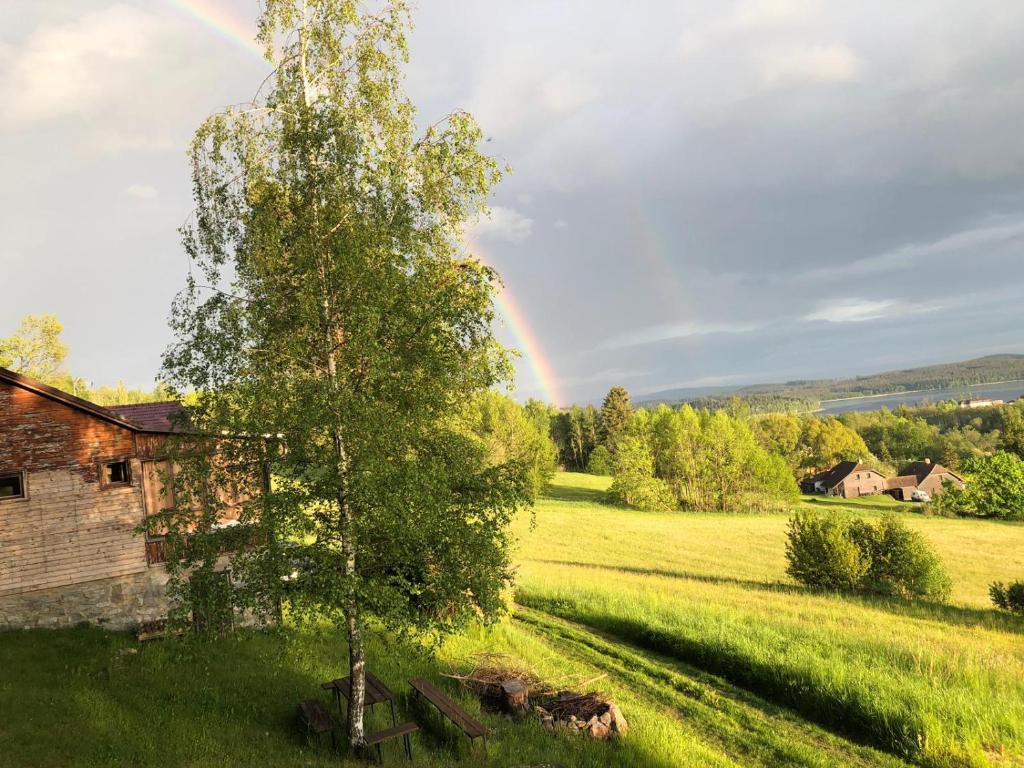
{"x":833,"y":477}
{"x":147,"y":423}
{"x":153,"y":417}
{"x":921,"y":470}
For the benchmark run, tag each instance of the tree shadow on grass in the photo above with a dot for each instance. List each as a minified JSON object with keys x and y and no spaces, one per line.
{"x":93,"y":698}
{"x":970,"y":618}
{"x":845,"y":505}
{"x":574,"y":493}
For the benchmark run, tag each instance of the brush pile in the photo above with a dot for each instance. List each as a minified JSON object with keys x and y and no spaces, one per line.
{"x":503,"y":686}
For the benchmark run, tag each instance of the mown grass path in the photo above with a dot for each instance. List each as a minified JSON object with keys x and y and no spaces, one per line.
{"x":752,"y":731}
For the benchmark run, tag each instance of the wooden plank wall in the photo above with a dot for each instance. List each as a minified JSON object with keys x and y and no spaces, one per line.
{"x":71,"y":528}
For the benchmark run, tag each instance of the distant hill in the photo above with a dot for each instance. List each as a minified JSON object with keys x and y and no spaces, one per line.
{"x":806,"y":395}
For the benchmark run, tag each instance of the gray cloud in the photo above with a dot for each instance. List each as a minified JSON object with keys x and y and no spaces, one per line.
{"x":703,"y":192}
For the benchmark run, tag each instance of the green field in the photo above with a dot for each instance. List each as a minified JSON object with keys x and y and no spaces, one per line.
{"x":715,"y":656}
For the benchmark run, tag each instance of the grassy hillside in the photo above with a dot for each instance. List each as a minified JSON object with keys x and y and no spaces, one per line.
{"x":941,"y":685}
{"x":715,"y":656}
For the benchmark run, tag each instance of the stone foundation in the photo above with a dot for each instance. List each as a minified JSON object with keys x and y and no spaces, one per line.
{"x":119,"y":603}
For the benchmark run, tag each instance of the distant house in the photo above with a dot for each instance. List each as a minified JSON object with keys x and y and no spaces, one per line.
{"x":848,"y":479}
{"x":921,"y":476}
{"x":981,"y":402}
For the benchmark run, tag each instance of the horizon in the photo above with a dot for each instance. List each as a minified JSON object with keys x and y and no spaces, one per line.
{"x":845,"y":199}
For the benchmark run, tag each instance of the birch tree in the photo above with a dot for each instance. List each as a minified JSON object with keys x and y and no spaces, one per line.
{"x":331,"y":304}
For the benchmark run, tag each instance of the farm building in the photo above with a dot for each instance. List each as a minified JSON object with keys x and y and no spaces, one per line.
{"x":76,"y":480}
{"x":851,"y":479}
{"x":923,"y":476}
{"x":848,"y":479}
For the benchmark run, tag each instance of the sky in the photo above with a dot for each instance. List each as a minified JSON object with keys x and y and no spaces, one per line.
{"x":704,"y":192}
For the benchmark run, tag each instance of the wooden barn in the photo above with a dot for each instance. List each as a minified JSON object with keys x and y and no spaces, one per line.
{"x":76,"y":480}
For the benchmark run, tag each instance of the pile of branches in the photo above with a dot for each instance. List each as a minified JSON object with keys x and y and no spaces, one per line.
{"x":581,"y":706}
{"x":490,"y":670}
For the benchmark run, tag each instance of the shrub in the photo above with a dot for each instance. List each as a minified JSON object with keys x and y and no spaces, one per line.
{"x":1008,"y":597}
{"x":822,"y":554}
{"x":600,"y":462}
{"x":886,"y":558}
{"x":902,"y":562}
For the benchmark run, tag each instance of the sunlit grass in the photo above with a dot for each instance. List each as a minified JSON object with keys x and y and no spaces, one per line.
{"x":936,"y":683}
{"x":671,"y":607}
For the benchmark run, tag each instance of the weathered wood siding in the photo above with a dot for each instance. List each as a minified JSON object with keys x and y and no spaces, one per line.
{"x":70,"y":528}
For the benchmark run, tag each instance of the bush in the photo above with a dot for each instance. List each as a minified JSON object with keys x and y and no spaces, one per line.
{"x":1009,"y":598}
{"x":885,"y":558}
{"x":822,"y":554}
{"x":600,"y":462}
{"x":902,"y":562}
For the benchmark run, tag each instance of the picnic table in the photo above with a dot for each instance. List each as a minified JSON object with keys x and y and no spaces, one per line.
{"x":376,"y":693}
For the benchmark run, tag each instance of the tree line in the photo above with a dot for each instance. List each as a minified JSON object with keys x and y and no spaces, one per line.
{"x":734,"y":458}
{"x":948,"y":376}
{"x":36,"y":349}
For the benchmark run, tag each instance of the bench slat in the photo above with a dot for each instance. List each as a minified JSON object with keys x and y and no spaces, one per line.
{"x":449,"y":708}
{"x":375,"y":691}
{"x":318,"y":718}
{"x":391,"y":733}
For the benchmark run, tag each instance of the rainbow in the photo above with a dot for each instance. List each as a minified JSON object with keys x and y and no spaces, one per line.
{"x":243,"y":35}
{"x":526,"y":340}
{"x":228,"y":26}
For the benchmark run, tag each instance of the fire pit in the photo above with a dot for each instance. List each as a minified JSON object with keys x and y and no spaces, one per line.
{"x":505,"y":687}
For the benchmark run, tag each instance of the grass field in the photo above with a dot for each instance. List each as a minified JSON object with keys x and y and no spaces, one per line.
{"x":939,"y":685}
{"x":715,"y":656}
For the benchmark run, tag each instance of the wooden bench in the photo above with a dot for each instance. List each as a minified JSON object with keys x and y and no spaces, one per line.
{"x":404,"y":730}
{"x":317,"y":720}
{"x":449,"y":709}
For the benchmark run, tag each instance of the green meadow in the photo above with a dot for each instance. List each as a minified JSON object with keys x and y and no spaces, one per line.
{"x":716,"y":657}
{"x":937,"y":685}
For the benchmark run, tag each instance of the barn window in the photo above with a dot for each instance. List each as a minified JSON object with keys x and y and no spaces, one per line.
{"x":12,"y":486}
{"x":117,"y":473}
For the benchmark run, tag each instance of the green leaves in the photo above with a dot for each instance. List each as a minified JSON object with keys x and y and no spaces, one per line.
{"x":334,"y":304}
{"x":36,"y":349}
{"x":994,"y":488}
{"x":836,"y":553}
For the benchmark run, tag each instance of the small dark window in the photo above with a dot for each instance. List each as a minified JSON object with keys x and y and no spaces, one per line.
{"x":12,"y":486}
{"x":117,"y":473}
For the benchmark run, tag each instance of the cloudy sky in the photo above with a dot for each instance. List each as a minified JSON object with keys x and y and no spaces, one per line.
{"x":705,"y":192}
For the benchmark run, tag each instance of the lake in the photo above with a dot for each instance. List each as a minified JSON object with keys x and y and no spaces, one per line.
{"x":1007,"y":391}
